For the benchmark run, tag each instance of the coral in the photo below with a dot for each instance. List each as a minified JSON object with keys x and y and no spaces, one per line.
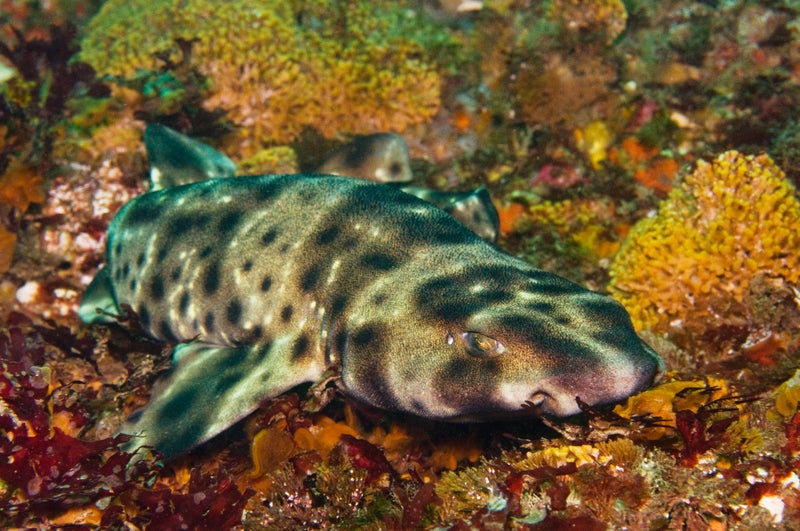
{"x":730,"y":222}
{"x":278,"y":67}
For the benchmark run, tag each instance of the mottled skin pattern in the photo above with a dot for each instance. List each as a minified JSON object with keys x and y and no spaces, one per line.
{"x":269,"y":280}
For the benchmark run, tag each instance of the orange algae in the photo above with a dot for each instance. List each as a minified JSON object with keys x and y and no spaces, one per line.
{"x":730,"y":222}
{"x":509,"y":215}
{"x":277,"y":67}
{"x":20,"y":186}
{"x":8,"y":241}
{"x":658,"y":174}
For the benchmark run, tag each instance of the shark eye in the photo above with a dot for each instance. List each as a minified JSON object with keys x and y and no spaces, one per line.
{"x":481,"y":345}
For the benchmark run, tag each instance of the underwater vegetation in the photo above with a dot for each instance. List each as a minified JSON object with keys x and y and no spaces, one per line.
{"x":644,"y":149}
{"x":721,"y":242}
{"x":276,"y":67}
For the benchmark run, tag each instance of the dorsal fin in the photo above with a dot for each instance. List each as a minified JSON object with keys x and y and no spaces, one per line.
{"x":473,"y":208}
{"x":380,"y":157}
{"x":176,"y":159}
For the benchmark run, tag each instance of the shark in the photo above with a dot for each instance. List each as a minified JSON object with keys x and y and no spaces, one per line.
{"x":266,"y":282}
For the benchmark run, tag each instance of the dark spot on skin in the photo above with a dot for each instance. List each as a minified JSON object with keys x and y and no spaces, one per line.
{"x":300,"y":347}
{"x":262,"y":352}
{"x":157,"y":288}
{"x":144,"y":317}
{"x":181,"y":224}
{"x":227,"y":381}
{"x":206,"y":252}
{"x":247,"y":266}
{"x":380,"y":261}
{"x":178,"y":405}
{"x":176,"y":273}
{"x":126,"y":270}
{"x":476,"y":217}
{"x":395,"y":168}
{"x":162,"y":254}
{"x":269,"y":237}
{"x":267,"y":191}
{"x":328,"y":235}
{"x":256,"y":333}
{"x":448,"y":234}
{"x":266,"y":376}
{"x":494,"y":296}
{"x":229,"y":221}
{"x":142,"y":211}
{"x":359,"y":148}
{"x":183,"y":303}
{"x":234,"y":311}
{"x":367,"y":335}
{"x":340,"y":342}
{"x":338,"y":305}
{"x":118,"y":249}
{"x":266,"y":284}
{"x":209,"y":322}
{"x":118,"y":275}
{"x":379,"y":299}
{"x":211,"y":279}
{"x":167,"y":333}
{"x":453,"y":310}
{"x":541,"y":307}
{"x":286,"y":313}
{"x":140,"y":260}
{"x":310,"y":279}
{"x":133,"y":284}
{"x":284,"y":248}
{"x":438,"y":289}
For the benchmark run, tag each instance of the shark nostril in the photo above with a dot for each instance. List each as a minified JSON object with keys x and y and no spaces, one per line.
{"x":539,"y":397}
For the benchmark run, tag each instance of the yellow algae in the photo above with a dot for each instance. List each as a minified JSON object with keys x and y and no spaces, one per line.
{"x":787,"y":396}
{"x":582,"y":221}
{"x":728,"y":223}
{"x":594,"y":141}
{"x":276,"y":67}
{"x":279,"y":159}
{"x":618,"y":452}
{"x":664,"y":400}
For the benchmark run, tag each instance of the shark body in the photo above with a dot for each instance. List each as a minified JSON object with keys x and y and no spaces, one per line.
{"x":269,"y":281}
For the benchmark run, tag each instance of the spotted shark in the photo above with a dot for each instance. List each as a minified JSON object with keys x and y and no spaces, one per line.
{"x":381,"y":157}
{"x":266,"y":282}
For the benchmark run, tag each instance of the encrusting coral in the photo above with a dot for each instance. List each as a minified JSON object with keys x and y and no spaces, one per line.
{"x":278,"y":67}
{"x":731,"y":224}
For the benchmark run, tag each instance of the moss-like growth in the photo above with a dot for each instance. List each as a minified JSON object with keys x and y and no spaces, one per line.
{"x":279,"y":67}
{"x":729,"y":223}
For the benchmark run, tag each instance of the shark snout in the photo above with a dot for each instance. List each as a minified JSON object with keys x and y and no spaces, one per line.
{"x":596,"y":386}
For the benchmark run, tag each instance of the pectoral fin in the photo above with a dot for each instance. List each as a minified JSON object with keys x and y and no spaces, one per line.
{"x":98,"y":304}
{"x":209,"y":389}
